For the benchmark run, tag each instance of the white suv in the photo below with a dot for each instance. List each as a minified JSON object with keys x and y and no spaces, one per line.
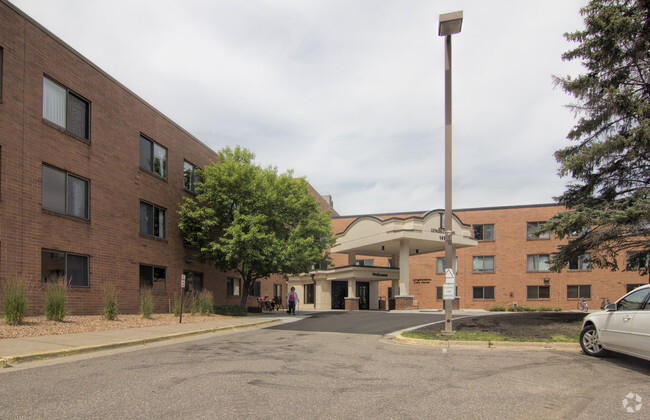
{"x":623,"y":327}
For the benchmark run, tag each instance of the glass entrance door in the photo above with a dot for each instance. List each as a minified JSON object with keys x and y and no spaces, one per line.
{"x":363,"y":293}
{"x":339,"y":293}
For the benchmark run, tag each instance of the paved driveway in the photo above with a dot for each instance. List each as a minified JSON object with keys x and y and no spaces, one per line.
{"x":361,"y":322}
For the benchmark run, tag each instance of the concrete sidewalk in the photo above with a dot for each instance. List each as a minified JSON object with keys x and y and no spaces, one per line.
{"x":17,"y":350}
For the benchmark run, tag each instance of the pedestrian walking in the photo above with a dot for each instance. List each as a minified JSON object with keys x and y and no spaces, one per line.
{"x":292,"y":300}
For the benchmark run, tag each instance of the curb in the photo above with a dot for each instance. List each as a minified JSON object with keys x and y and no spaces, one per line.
{"x":8,"y":361}
{"x":515,"y":345}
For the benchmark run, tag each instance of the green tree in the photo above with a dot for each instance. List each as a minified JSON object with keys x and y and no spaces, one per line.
{"x":607,"y":200}
{"x":254,"y":221}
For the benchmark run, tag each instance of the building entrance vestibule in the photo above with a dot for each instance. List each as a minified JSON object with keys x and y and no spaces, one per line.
{"x":363,"y":293}
{"x":339,"y":293}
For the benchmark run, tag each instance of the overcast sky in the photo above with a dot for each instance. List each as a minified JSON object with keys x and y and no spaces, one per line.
{"x":350,"y":93}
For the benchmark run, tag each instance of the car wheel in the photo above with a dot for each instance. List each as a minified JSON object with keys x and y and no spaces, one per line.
{"x":590,"y":343}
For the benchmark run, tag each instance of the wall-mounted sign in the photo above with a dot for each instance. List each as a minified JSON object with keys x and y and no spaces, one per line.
{"x":380,"y":275}
{"x":421,"y":281}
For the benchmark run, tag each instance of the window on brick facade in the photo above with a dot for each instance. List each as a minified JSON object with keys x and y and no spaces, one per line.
{"x":440,"y":265}
{"x":538,"y":262}
{"x":72,"y":268}
{"x":538,"y":292}
{"x":309,"y":293}
{"x":257,"y":289}
{"x":369,"y":262}
{"x":190,"y":176}
{"x":483,"y":232}
{"x":154,"y":278}
{"x":152,"y":220}
{"x":578,"y":291}
{"x":66,"y":109}
{"x":581,"y":263}
{"x":153,"y":157}
{"x":483,"y":264}
{"x":530,"y":231}
{"x":277,"y":290}
{"x":193,"y":281}
{"x":233,"y":286}
{"x":1,"y":54}
{"x":483,"y":292}
{"x":636,"y":260}
{"x":632,"y":286}
{"x":64,"y":192}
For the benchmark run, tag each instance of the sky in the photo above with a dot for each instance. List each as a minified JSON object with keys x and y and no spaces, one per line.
{"x":350,"y":93}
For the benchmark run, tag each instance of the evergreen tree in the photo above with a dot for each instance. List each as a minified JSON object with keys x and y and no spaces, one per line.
{"x":254,"y":221}
{"x":608,"y":199}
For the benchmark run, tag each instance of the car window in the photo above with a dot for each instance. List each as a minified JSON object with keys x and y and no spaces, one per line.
{"x":633,"y":301}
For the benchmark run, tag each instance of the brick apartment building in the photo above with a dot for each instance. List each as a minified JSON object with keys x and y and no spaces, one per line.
{"x":91,"y":177}
{"x":508,"y":265}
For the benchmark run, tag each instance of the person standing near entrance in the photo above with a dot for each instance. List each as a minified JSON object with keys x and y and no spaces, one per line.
{"x":292,"y":299}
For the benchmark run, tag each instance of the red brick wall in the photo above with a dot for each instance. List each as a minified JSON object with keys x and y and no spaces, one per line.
{"x":110,"y":160}
{"x":510,"y":249}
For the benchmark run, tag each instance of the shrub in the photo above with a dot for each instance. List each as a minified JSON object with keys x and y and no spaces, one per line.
{"x":110,"y":303}
{"x":56,"y":294}
{"x":189,"y":304}
{"x":230,"y":310}
{"x":254,"y":309}
{"x":15,"y":300}
{"x":206,"y":302}
{"x":146,"y":302}
{"x":497,"y":308}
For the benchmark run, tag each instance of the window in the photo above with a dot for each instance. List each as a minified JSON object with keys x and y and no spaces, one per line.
{"x":193,"y":281}
{"x":530,"y":231}
{"x":152,"y":220}
{"x":439,"y":292}
{"x":538,"y":292}
{"x":630,"y":287}
{"x":633,"y":301}
{"x":153,"y":157}
{"x":65,"y":109}
{"x":484,"y":232}
{"x":581,"y":263}
{"x":71,"y":267}
{"x":538,"y":262}
{"x":277,"y":290}
{"x":0,"y":73}
{"x":483,"y":292}
{"x":577,"y":292}
{"x":257,"y":289}
{"x":190,"y":176}
{"x":64,"y":192}
{"x":440,"y":265}
{"x":483,"y":264}
{"x":154,"y":278}
{"x":365,"y":263}
{"x":637,"y":260}
{"x":309,"y":293}
{"x":232,"y":286}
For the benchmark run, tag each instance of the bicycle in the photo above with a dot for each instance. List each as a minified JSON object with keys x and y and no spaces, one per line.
{"x":582,"y":305}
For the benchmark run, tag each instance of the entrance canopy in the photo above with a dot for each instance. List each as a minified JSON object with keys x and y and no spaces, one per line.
{"x":373,"y":236}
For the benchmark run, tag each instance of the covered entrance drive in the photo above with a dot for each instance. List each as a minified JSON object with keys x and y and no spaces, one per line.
{"x":354,"y":287}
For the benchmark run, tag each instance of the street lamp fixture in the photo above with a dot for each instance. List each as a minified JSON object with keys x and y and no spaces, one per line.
{"x":450,"y":23}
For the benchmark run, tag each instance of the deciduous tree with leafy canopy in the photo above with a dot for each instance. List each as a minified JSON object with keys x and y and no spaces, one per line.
{"x":254,"y":221}
{"x":608,"y":199}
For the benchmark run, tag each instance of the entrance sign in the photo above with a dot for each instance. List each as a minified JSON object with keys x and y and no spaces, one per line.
{"x":448,"y":291}
{"x":450,"y":277}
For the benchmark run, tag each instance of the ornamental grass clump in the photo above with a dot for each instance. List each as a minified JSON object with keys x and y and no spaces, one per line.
{"x":56,"y":295}
{"x":146,"y":302}
{"x":206,"y":302}
{"x":14,"y":300}
{"x":110,"y":304}
{"x":190,"y":304}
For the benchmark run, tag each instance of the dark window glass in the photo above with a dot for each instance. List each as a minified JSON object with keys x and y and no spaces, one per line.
{"x":232,"y":286}
{"x":152,"y":220}
{"x":193,"y":281}
{"x":277,"y":290}
{"x":65,"y":109}
{"x":256,"y":289}
{"x":530,"y":231}
{"x":72,"y":268}
{"x":633,"y":301}
{"x":190,"y":176}
{"x":77,"y":121}
{"x":309,"y":293}
{"x":484,"y":232}
{"x":483,"y":292}
{"x":578,"y":291}
{"x":0,"y":73}
{"x":538,"y":292}
{"x":630,"y":287}
{"x":154,"y":278}
{"x":153,"y":157}
{"x":64,"y":192}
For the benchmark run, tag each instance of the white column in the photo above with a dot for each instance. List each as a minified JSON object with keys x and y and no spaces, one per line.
{"x":395,"y":283}
{"x":404,"y":267}
{"x":352,"y":288}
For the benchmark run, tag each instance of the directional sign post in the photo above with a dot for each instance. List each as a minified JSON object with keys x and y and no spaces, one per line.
{"x":449,"y":291}
{"x":450,"y":277}
{"x":180,"y":320}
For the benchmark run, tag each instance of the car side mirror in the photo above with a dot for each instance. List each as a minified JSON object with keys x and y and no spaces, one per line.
{"x":610,"y":307}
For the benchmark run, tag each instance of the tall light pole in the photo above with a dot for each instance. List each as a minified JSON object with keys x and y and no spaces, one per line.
{"x":450,"y":23}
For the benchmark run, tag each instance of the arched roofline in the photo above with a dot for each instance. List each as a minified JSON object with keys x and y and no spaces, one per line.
{"x":381,"y":221}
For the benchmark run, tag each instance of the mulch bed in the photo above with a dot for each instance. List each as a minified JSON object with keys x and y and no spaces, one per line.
{"x":528,"y":324}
